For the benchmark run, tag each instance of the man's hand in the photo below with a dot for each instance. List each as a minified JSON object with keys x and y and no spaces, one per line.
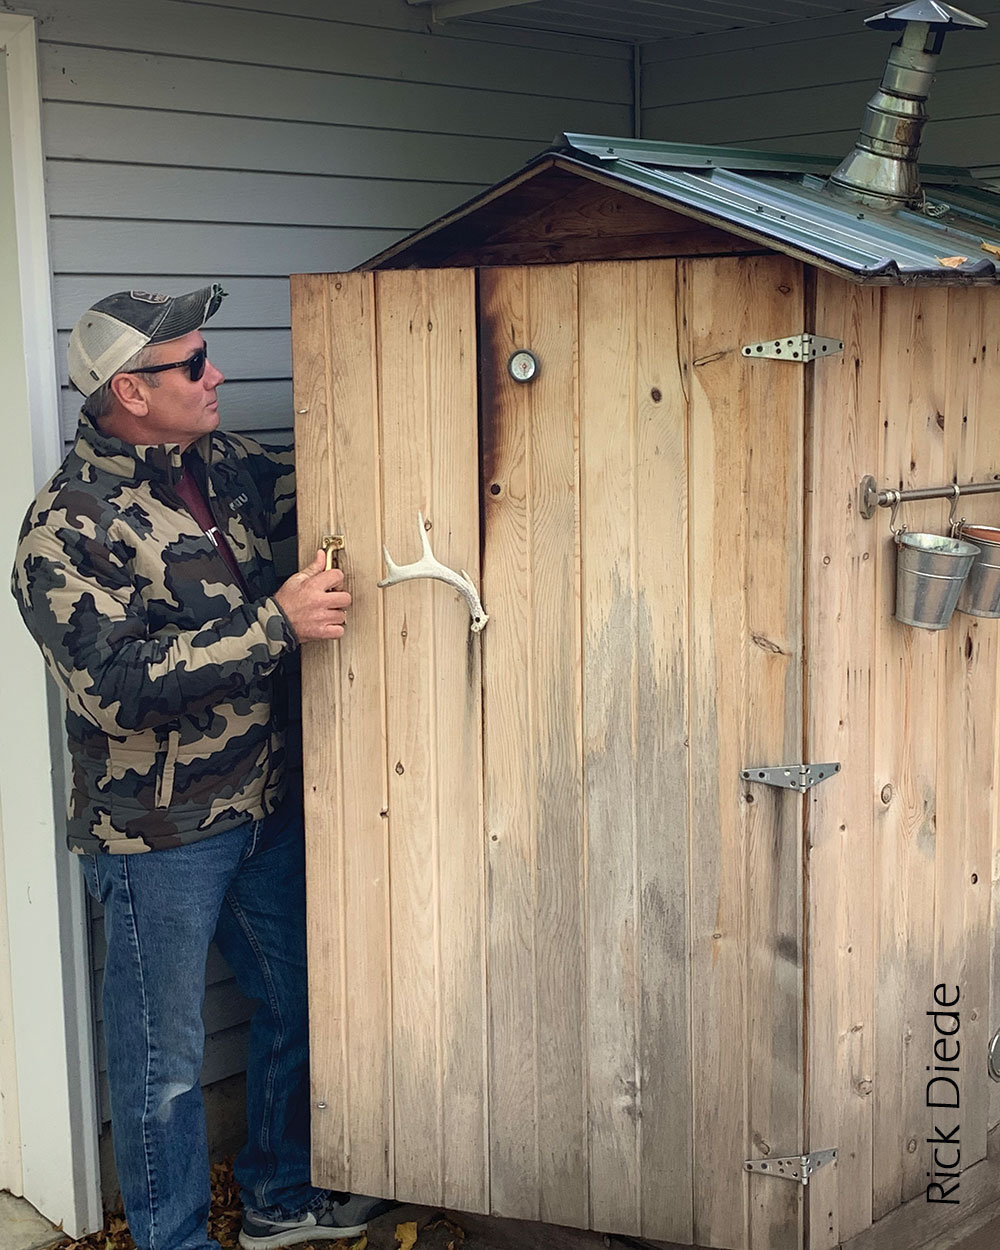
{"x":313,"y":601}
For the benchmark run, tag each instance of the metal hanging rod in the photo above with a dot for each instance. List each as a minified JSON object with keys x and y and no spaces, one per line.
{"x":872,"y":498}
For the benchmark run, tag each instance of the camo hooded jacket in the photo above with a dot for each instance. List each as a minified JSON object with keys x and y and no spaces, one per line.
{"x":166,"y":662}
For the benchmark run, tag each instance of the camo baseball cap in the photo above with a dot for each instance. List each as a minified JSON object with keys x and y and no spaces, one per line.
{"x":116,"y":327}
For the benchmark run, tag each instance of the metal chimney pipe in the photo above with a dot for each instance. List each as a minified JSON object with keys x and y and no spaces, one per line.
{"x":882,"y":171}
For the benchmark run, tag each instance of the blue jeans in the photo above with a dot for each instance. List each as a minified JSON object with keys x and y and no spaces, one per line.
{"x":161,"y":910}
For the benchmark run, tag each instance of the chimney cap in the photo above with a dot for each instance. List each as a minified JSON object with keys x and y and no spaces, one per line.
{"x":937,"y":15}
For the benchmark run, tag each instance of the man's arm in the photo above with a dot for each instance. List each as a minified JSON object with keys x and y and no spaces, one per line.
{"x":78,"y":599}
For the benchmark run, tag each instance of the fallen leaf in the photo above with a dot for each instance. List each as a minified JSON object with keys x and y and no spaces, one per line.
{"x":952,"y":262}
{"x":406,"y":1235}
{"x":992,"y":248}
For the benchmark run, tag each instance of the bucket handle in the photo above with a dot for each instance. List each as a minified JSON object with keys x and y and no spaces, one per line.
{"x":893,"y":501}
{"x":955,"y":525}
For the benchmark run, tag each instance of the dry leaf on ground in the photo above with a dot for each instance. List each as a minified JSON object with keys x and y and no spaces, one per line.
{"x":223,"y":1221}
{"x":406,"y":1235}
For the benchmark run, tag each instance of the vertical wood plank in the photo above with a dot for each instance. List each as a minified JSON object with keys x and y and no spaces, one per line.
{"x":914,"y":324}
{"x":455,"y":519}
{"x":967,"y":744}
{"x":839,"y":628}
{"x":427,"y":394}
{"x":746,"y":481}
{"x":533,"y":754}
{"x":508,"y":756}
{"x":985,"y":360}
{"x":718,"y":541}
{"x":608,"y":421}
{"x":661,"y":759}
{"x":344,"y":732}
{"x":773,"y":717}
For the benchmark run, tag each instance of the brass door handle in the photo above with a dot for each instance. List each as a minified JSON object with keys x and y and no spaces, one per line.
{"x":332,"y":544}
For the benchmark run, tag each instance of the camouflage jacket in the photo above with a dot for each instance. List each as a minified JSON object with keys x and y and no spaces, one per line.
{"x":167,"y":663}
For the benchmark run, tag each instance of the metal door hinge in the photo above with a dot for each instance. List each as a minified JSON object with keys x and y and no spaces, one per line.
{"x":800,"y":347}
{"x":791,"y":776}
{"x":795,"y":1167}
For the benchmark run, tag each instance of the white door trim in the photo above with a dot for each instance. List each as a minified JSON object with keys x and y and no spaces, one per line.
{"x":47,"y":914}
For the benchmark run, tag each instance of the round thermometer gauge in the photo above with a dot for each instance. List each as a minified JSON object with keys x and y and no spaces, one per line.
{"x":522,"y":366}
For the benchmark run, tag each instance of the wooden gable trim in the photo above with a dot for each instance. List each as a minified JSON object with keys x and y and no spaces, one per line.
{"x":557,"y":210}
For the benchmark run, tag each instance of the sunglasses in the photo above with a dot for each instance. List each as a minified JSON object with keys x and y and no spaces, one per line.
{"x":195,"y":365}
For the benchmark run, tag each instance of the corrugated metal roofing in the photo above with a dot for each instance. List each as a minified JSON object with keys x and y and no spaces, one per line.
{"x":780,"y":202}
{"x":639,"y":21}
{"x":783,"y":200}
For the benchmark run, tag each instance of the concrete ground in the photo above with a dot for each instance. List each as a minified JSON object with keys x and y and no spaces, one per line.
{"x":22,"y":1228}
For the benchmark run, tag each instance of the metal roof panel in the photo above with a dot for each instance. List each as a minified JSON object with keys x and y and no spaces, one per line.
{"x":781,"y":203}
{"x":772,"y":200}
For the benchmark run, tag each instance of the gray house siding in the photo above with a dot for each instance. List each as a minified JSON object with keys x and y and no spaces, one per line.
{"x":803,"y":88}
{"x":186,"y":140}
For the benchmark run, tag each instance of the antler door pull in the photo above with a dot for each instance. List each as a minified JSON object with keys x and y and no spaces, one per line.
{"x":428,"y":566}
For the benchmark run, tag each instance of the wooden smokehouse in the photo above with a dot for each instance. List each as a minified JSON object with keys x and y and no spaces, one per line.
{"x":653,"y":906}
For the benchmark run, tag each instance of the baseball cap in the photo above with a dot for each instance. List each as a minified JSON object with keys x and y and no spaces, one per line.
{"x":116,"y":327}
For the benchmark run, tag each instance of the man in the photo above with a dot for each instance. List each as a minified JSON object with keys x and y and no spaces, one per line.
{"x":146,"y":571}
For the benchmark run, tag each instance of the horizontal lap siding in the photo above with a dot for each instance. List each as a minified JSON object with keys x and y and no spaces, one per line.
{"x":206,"y":140}
{"x":803,"y":87}
{"x":195,"y":141}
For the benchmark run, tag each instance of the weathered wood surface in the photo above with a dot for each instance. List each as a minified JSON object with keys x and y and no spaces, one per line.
{"x":636,"y":840}
{"x":392,"y":789}
{"x":533,"y":754}
{"x":918,"y":1223}
{"x":899,"y":898}
{"x":905,"y":759}
{"x":344,"y":736}
{"x":592,"y":929}
{"x":746,"y":467}
{"x":968,"y":725}
{"x":661,"y":575}
{"x":840,"y":623}
{"x":429,"y":464}
{"x":613,"y":1099}
{"x":552,"y":216}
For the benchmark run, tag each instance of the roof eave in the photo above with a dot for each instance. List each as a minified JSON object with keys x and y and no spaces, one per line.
{"x":884,"y":273}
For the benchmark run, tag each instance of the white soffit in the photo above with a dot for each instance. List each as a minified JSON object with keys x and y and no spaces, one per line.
{"x":638,"y":21}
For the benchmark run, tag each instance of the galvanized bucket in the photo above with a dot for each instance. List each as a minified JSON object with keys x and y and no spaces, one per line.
{"x":981,"y":593}
{"x":930,"y":573}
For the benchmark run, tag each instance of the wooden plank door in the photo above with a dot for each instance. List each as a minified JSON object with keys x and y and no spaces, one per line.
{"x":385,"y":397}
{"x":583,"y":931}
{"x":586,"y":768}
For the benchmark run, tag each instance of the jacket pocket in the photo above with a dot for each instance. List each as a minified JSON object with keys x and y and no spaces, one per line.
{"x":165,"y":772}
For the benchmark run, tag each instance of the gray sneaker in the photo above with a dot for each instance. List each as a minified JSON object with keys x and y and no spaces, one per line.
{"x":340,"y":1215}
